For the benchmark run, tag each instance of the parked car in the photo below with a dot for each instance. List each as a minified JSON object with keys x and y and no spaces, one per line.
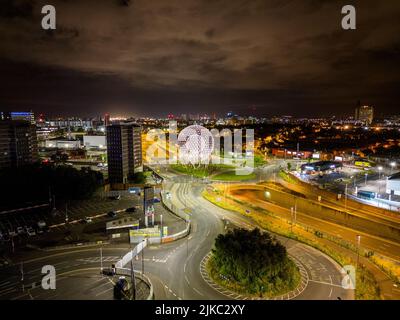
{"x":130,"y":210}
{"x":88,"y":220}
{"x":12,"y":233}
{"x":156,"y":200}
{"x":112,"y":214}
{"x":41,"y":224}
{"x":30,"y":232}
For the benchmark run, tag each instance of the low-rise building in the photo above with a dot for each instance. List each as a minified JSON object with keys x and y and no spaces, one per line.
{"x":97,"y":141}
{"x":393,"y":184}
{"x":62,"y":144}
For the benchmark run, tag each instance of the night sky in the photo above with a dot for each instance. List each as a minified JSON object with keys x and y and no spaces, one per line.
{"x":152,"y":58}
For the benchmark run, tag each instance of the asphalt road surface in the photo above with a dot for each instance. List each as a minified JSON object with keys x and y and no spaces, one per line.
{"x":173,"y":268}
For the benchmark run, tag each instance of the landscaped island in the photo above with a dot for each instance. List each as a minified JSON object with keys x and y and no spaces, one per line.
{"x":252,"y":263}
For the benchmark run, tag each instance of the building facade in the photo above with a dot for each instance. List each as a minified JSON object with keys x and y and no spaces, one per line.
{"x":18,"y":143}
{"x":393,"y":184}
{"x":18,"y":115}
{"x":364,"y":114}
{"x":124,"y":151}
{"x":94,"y":141}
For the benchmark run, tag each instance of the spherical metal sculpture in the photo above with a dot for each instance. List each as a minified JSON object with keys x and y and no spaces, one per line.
{"x":196,"y":144}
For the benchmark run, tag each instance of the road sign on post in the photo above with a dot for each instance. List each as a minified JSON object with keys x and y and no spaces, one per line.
{"x":148,"y":201}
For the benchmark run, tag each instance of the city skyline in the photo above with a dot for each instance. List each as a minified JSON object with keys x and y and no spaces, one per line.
{"x":152,"y":58}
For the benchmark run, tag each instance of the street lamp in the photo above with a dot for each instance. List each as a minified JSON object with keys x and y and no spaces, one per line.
{"x":366,"y":177}
{"x":380,"y":171}
{"x":392,"y":165}
{"x":358,"y":249}
{"x":162,"y":230}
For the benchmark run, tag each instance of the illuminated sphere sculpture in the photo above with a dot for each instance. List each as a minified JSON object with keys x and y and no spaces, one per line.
{"x":196,"y":144}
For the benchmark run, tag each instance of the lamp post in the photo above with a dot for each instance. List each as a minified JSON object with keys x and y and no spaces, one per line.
{"x":358,"y":249}
{"x":345,"y":197}
{"x":366,"y":177}
{"x":392,"y":165}
{"x":380,"y":171}
{"x":162,"y":230}
{"x":101,"y":261}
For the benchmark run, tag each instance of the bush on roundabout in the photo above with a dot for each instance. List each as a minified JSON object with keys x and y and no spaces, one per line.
{"x":252,"y":262}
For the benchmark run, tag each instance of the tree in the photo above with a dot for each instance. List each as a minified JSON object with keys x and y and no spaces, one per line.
{"x":255,"y":261}
{"x":32,"y":183}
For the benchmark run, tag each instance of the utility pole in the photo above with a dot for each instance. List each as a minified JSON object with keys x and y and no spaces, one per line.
{"x":345,"y":197}
{"x":161,"y":223}
{"x":291,"y":214}
{"x":143,"y":258}
{"x":22,"y":276}
{"x":101,"y":260}
{"x":66,"y":212}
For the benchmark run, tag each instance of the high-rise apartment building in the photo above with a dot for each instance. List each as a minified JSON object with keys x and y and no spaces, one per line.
{"x":106,"y":119}
{"x":18,"y":143}
{"x":124,"y":151}
{"x":364,"y":114}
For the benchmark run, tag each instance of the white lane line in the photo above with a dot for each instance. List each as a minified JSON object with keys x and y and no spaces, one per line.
{"x":104,"y":291}
{"x":327,"y":283}
{"x":330,"y":293}
{"x":100,"y":286}
{"x":198,"y":292}
{"x":9,"y":290}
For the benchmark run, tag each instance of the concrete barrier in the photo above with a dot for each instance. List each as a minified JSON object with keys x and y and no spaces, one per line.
{"x":138,"y":274}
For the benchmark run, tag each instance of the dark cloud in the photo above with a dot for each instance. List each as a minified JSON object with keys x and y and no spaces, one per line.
{"x":157,"y":57}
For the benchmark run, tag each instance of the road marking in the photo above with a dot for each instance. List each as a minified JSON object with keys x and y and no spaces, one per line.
{"x":327,"y":283}
{"x":198,"y":292}
{"x":330,"y":293}
{"x":104,"y":291}
{"x":7,"y":291}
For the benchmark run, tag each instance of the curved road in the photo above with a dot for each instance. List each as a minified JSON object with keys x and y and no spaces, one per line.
{"x":173,"y":268}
